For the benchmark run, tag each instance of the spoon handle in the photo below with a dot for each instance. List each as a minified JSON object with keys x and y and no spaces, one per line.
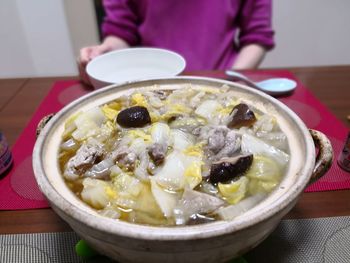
{"x":236,"y":74}
{"x":241,"y":77}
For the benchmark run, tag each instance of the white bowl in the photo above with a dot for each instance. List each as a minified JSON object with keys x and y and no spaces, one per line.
{"x":134,"y":64}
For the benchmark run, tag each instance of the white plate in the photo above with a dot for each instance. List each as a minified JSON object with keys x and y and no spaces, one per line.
{"x":134,"y":64}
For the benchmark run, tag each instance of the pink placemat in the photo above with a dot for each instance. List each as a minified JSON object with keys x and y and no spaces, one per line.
{"x":18,"y":190}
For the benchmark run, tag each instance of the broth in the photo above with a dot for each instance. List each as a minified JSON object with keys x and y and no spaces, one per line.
{"x":179,"y":157}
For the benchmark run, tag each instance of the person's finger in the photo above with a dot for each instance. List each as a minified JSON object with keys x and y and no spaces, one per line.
{"x":98,"y":50}
{"x":82,"y":61}
{"x":82,"y":72}
{"x":84,"y":56}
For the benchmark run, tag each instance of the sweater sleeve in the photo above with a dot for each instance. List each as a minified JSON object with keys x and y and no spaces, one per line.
{"x":121,"y":21}
{"x":255,"y":23}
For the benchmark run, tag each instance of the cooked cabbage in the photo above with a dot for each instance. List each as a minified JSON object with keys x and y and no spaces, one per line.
{"x":88,"y":124}
{"x":208,"y":109}
{"x":253,"y":145}
{"x":180,"y":140}
{"x":171,"y":175}
{"x":160,"y":133}
{"x":97,"y":193}
{"x":166,"y":200}
{"x":232,"y":211}
{"x":235,"y":191}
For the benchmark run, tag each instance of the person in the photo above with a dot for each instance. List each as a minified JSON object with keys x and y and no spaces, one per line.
{"x":210,"y":34}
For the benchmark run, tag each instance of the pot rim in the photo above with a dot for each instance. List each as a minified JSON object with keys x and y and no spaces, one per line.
{"x":145,"y":232}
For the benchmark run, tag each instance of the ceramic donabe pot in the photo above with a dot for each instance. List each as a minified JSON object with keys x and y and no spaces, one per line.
{"x":214,"y":242}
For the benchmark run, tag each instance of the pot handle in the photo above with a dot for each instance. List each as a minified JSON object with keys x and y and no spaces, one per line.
{"x":42,"y":124}
{"x":324,"y":157}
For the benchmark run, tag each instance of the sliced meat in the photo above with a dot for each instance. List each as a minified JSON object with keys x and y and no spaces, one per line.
{"x":216,"y":139}
{"x":221,"y":141}
{"x":231,"y":145}
{"x":157,"y":153}
{"x":204,"y":132}
{"x":127,"y":160}
{"x":124,"y":157}
{"x":86,"y":156}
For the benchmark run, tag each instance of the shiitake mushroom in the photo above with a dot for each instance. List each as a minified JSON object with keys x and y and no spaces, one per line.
{"x":134,"y":117}
{"x":229,"y":168}
{"x":242,"y":115}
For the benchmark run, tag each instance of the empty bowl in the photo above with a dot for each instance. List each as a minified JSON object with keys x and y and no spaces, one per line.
{"x":132,"y":64}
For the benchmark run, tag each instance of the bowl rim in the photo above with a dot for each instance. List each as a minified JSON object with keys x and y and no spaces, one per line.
{"x":91,"y":63}
{"x":164,"y":233}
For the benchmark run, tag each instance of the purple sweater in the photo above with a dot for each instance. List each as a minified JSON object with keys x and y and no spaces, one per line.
{"x":208,"y":33}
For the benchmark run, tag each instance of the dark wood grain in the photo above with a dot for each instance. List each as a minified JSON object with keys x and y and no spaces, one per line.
{"x":31,"y":221}
{"x":322,"y":204}
{"x":17,"y":113}
{"x":9,"y":89}
{"x":331,"y":85}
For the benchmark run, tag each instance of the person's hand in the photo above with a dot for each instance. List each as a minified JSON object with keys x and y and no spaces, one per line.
{"x":249,"y":57}
{"x":88,"y":53}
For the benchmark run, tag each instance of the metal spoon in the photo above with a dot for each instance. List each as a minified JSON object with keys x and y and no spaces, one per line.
{"x":273,"y":86}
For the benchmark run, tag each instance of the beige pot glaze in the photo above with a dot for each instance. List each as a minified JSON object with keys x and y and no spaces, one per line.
{"x":215,"y":242}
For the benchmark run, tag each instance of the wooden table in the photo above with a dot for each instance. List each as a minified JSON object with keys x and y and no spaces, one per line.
{"x":19,"y":99}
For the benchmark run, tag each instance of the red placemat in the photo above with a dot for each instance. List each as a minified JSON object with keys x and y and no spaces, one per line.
{"x":18,"y":190}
